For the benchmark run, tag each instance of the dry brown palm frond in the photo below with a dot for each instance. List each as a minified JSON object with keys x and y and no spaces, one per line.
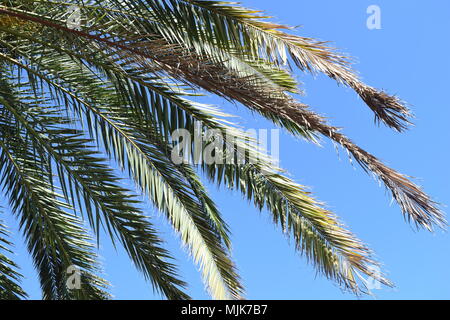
{"x":307,"y":54}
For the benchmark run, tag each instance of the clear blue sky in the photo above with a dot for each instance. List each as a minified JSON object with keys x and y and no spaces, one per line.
{"x":408,"y":57}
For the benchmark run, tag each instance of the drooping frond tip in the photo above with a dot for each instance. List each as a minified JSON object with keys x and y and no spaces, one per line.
{"x":415,"y":204}
{"x":387,"y":108}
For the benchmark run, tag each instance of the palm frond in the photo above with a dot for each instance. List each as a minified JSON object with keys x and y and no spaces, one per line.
{"x":150,"y":172}
{"x":56,"y":238}
{"x":10,"y":277}
{"x":91,"y":187}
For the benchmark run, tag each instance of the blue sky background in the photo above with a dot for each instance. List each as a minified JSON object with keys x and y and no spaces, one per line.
{"x":408,"y":57}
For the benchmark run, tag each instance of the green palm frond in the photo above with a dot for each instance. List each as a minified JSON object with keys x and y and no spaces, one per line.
{"x":152,"y":172}
{"x":317,"y":232}
{"x":10,"y":277}
{"x":56,"y":239}
{"x":92,"y":188}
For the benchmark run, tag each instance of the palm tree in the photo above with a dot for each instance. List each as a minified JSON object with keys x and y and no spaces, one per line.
{"x":83,"y":100}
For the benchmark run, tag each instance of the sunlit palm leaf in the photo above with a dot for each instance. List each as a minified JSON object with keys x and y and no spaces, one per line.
{"x":10,"y":277}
